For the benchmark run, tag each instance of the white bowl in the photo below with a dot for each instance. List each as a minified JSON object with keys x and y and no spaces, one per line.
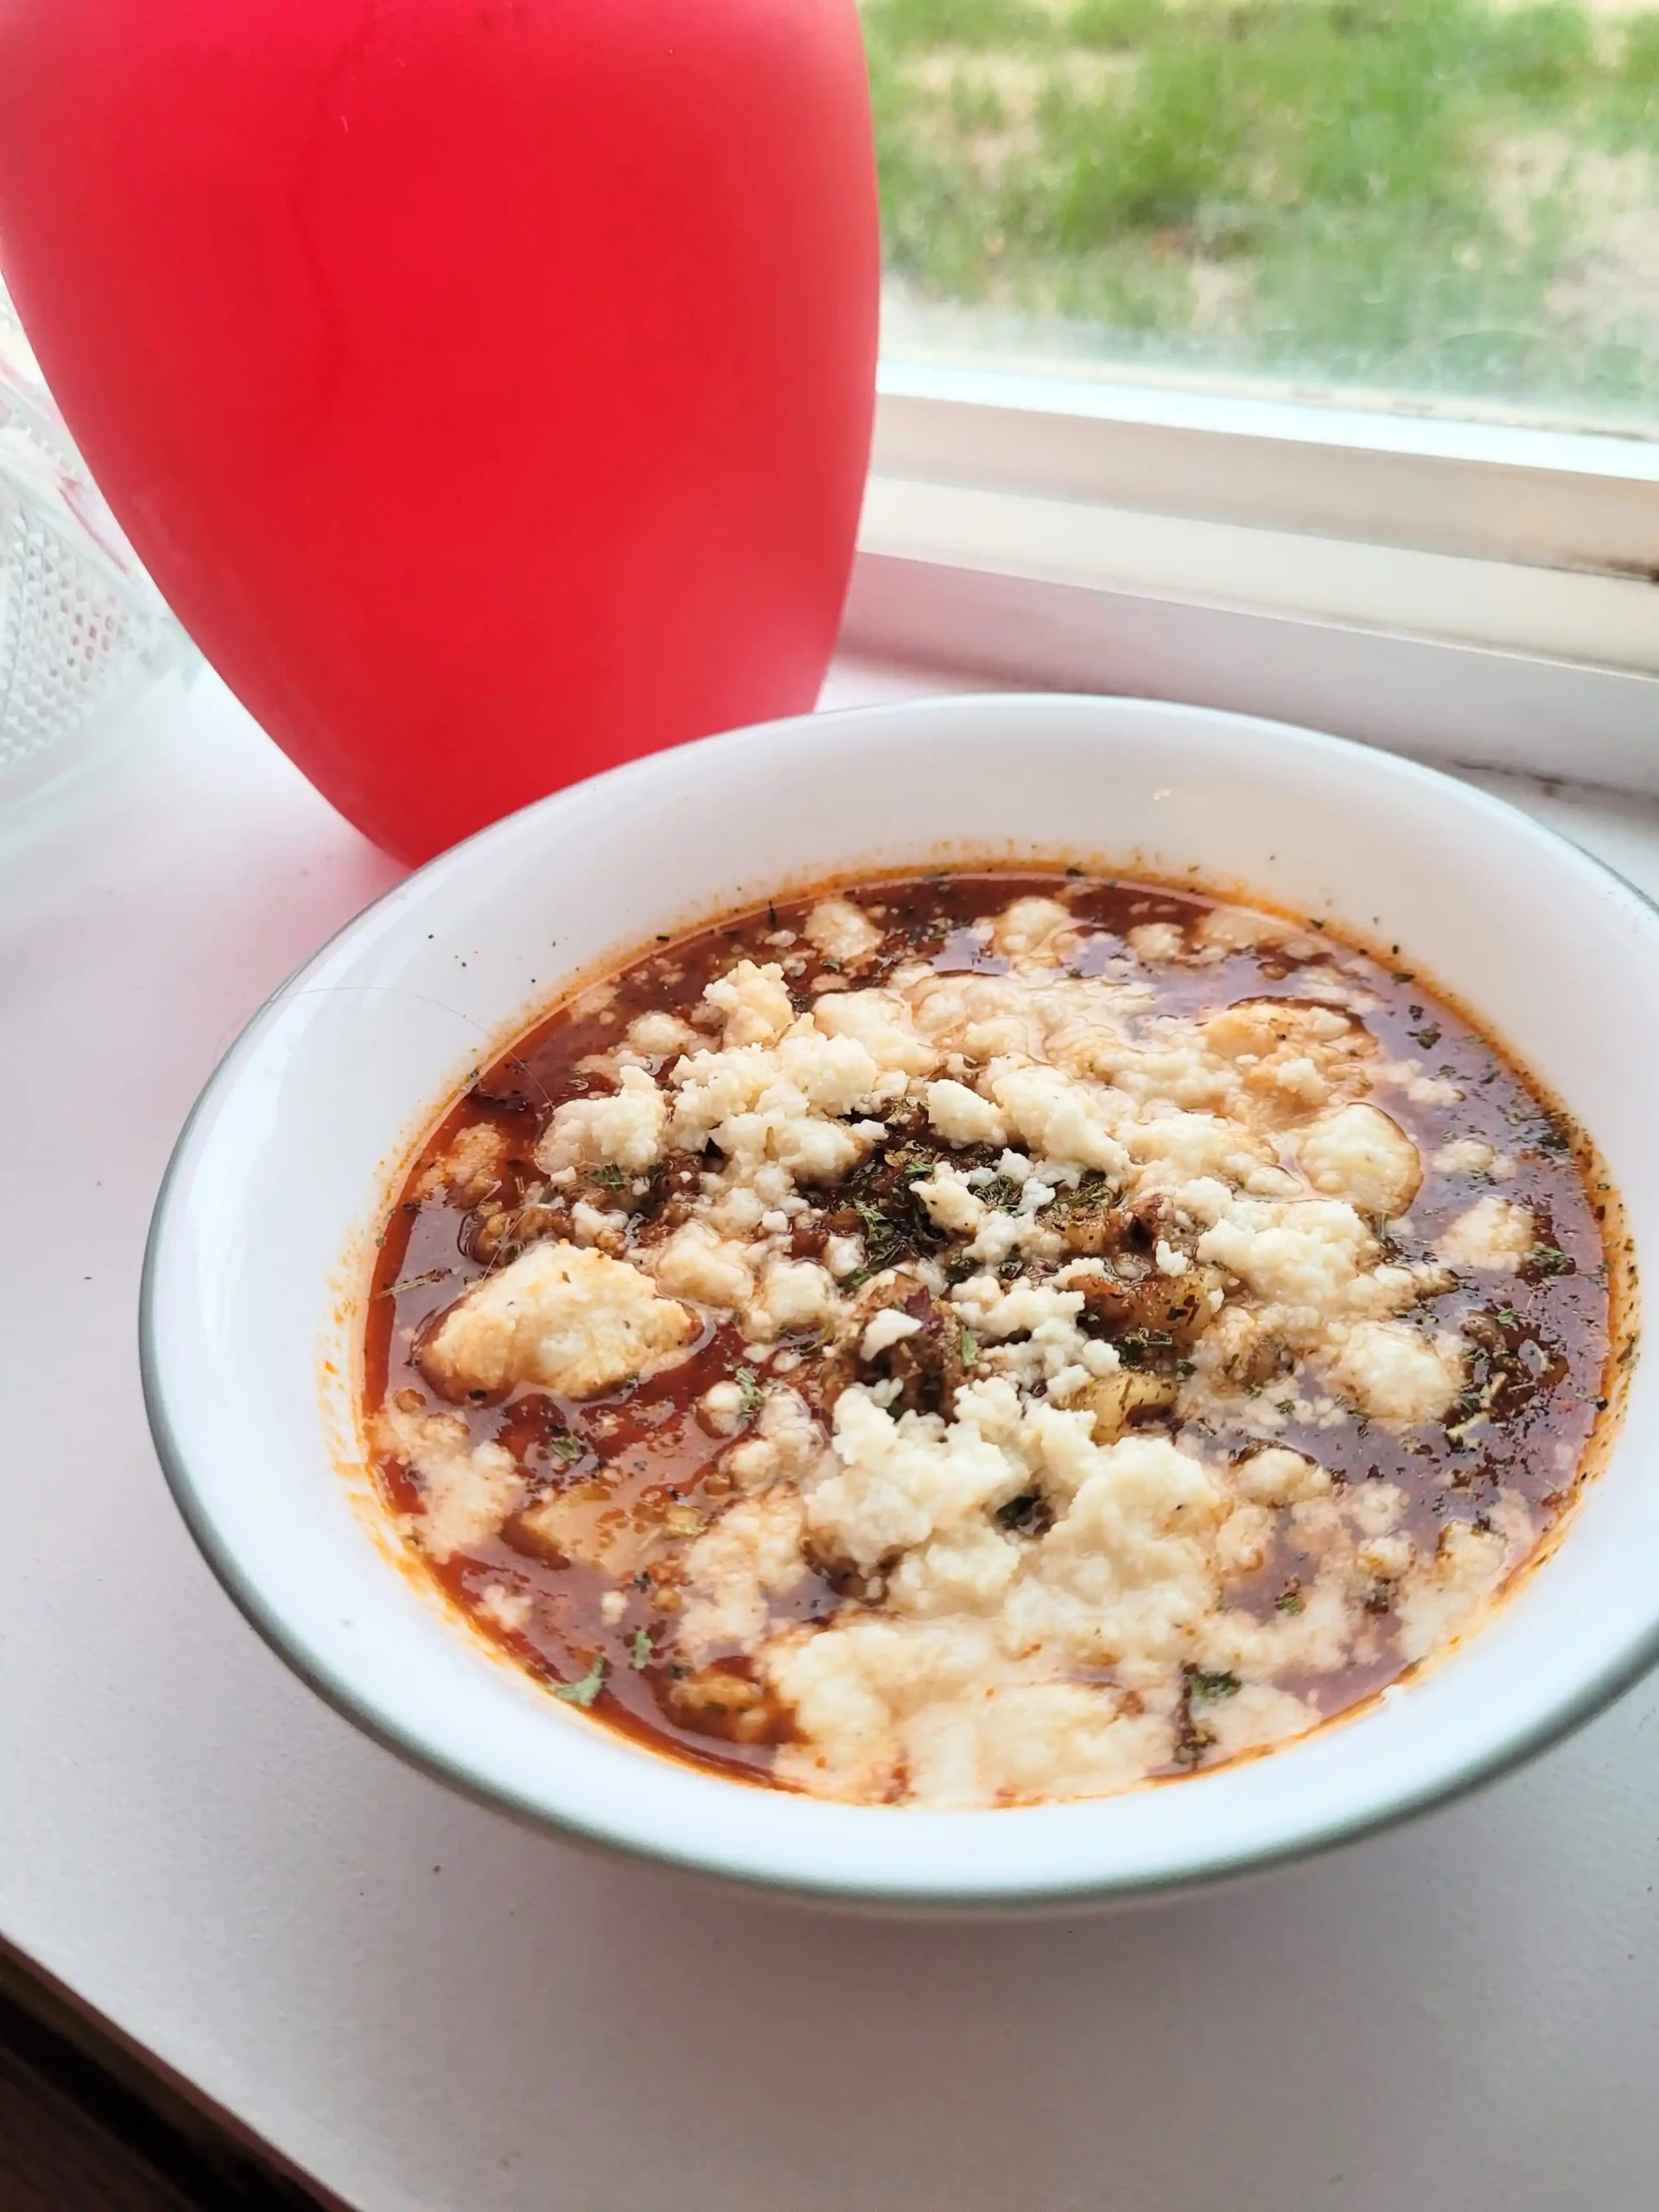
{"x":259,"y":1246}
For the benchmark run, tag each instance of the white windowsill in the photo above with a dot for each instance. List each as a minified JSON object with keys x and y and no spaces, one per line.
{"x":1474,"y":591}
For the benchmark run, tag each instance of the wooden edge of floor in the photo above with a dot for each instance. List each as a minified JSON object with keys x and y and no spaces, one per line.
{"x":190,"y":2141}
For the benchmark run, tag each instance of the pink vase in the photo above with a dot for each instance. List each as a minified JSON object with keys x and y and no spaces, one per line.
{"x":486,"y":383}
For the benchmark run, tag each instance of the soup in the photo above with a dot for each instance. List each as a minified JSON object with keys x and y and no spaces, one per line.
{"x":973,"y":1339}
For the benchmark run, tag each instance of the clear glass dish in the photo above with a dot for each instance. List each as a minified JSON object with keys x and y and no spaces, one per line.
{"x":83,"y":633}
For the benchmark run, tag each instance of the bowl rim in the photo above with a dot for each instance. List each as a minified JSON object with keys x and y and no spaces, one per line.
{"x":1554,"y":1718}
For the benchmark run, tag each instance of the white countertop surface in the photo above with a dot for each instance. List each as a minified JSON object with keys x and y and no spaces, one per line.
{"x":424,"y":2006}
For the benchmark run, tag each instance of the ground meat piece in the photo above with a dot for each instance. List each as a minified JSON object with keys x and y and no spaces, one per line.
{"x":1248,"y":1355}
{"x":666,"y":1204}
{"x":1507,"y":1368}
{"x":808,"y":1236}
{"x":1162,"y":1312}
{"x":500,"y":1232}
{"x":927,"y":1365}
{"x":878,"y":1202}
{"x":1092,"y":1226}
{"x":725,"y":1699}
{"x":1131,"y":1395}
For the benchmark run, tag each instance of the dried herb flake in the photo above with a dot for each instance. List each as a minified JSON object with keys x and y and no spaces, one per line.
{"x":584,"y":1692}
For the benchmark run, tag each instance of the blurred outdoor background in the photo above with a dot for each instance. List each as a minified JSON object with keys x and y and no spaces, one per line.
{"x":1438,"y":198}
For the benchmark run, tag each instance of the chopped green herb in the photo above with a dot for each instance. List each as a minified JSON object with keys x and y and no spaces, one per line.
{"x":414,"y":1283}
{"x":1186,"y":1368}
{"x":1288,"y":1601}
{"x":999,"y":1192}
{"x":1205,"y":1688}
{"x":568,"y":1448}
{"x":584,"y":1692}
{"x":970,"y":1348}
{"x":1508,"y":1317}
{"x":1548,"y":1260}
{"x":880,"y":1234}
{"x":832,"y":963}
{"x":748,"y":1393}
{"x":640,"y":1650}
{"x":609,"y":1177}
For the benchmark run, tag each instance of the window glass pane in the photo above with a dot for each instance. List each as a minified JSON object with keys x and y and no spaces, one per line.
{"x":1438,"y":198}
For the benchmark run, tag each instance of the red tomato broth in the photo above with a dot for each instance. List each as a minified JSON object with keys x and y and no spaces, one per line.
{"x":1557,"y":1340}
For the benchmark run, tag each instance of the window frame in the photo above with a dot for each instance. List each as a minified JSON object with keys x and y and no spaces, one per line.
{"x":1471,"y":591}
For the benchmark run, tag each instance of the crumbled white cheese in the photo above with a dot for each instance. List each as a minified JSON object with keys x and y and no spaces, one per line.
{"x":880,"y":1022}
{"x":1153,"y":942}
{"x":660,"y":1034}
{"x":793,"y":1294}
{"x":1061,"y":1119}
{"x":788,"y":1444}
{"x":472,"y":1166}
{"x":962,"y":1116}
{"x":1034,"y":926}
{"x":571,"y":1321}
{"x":1421,"y":1089}
{"x":1396,"y":1373}
{"x":1235,"y":929}
{"x":1494,"y":1237}
{"x":1440,"y":1598}
{"x":623,"y":1130}
{"x":508,"y":1609}
{"x":844,"y":1256}
{"x":1302,"y":1255}
{"x":1277,"y":1477}
{"x":754,"y":1003}
{"x":591,"y":1224}
{"x":1359,"y":1153}
{"x":722,"y":1407}
{"x":1045,"y":1318}
{"x":898,"y":1482}
{"x":950,"y":1200}
{"x":696,"y":1262}
{"x":889,"y":1327}
{"x":1471,"y":1156}
{"x":750,"y":1555}
{"x":467,"y":1491}
{"x":841,"y":932}
{"x":780,"y":1103}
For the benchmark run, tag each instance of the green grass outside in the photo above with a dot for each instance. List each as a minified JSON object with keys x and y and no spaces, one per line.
{"x":1437,"y":195}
